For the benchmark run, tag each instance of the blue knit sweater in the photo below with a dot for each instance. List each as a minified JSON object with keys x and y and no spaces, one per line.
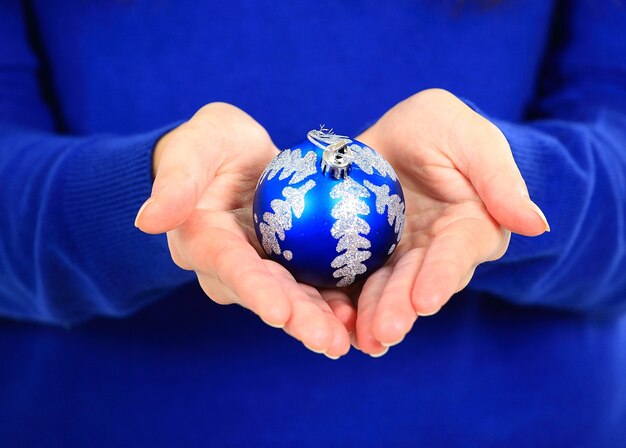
{"x":87,"y":88}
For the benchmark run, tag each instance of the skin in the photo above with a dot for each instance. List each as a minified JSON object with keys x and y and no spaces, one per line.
{"x":464,"y":196}
{"x":205,"y":174}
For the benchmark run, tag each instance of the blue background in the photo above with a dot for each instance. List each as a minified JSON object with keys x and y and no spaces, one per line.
{"x":223,"y":378}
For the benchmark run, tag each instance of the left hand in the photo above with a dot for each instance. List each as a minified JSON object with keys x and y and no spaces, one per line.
{"x":464,"y":195}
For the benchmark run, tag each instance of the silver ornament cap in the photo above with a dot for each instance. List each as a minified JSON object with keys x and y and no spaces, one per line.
{"x":337,"y":156}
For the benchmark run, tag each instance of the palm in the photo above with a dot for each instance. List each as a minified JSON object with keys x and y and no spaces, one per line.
{"x":448,"y":229}
{"x":440,"y":201}
{"x":442,"y":207}
{"x":217,"y":241}
{"x":445,"y":222}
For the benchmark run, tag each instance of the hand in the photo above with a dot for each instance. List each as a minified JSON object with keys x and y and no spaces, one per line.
{"x":206,"y":172}
{"x":464,"y":195}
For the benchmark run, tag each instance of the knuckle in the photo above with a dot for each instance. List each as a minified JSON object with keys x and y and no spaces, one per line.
{"x":217,"y":107}
{"x":491,"y":180}
{"x":196,"y":253}
{"x":258,"y":134}
{"x":186,"y":136}
{"x":500,"y":246}
{"x":465,"y":281}
{"x":211,"y":288}
{"x":221,"y":259}
{"x":436,"y":94}
{"x":452,"y":267}
{"x":224,"y":124}
{"x":431,"y":99}
{"x":503,"y":245}
{"x":173,"y":246}
{"x":179,"y":261}
{"x":494,"y":133}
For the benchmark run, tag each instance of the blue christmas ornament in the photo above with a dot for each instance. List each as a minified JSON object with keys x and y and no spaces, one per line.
{"x":330,"y":210}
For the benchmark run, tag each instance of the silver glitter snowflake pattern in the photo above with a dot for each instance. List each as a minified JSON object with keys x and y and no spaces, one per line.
{"x":275,"y":224}
{"x":349,"y":229}
{"x":369,"y":160}
{"x":291,"y":162}
{"x":393,"y":203}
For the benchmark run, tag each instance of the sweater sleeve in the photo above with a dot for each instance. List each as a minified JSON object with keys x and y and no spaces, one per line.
{"x":572,"y":154}
{"x":68,"y":246}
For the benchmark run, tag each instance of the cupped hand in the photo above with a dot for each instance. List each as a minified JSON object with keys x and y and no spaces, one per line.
{"x":464,"y":196}
{"x":206,"y":171}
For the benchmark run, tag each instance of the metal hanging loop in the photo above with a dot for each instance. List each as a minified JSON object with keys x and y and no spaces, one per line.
{"x":337,"y":156}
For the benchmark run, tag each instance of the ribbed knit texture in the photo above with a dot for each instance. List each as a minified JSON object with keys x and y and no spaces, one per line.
{"x":111,"y":177}
{"x":88,"y":91}
{"x":83,"y":195}
{"x":87,"y":88}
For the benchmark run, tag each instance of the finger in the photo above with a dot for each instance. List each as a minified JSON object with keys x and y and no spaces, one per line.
{"x":340,"y":344}
{"x":395,"y":315}
{"x":485,"y":157}
{"x":215,"y":140}
{"x":312,"y":321}
{"x":367,"y":304}
{"x":451,"y":259}
{"x":232,"y":261}
{"x":187,"y":166}
{"x":342,"y":306}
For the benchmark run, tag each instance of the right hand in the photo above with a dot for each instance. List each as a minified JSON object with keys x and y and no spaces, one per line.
{"x":206,"y":171}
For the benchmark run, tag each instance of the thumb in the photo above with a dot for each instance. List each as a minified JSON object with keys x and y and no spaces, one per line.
{"x":186,"y":167}
{"x":484,"y":156}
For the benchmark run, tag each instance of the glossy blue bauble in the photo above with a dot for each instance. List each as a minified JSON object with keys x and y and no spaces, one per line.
{"x":329,"y":232}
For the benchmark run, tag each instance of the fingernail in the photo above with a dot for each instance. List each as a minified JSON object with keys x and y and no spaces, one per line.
{"x":274,"y":325}
{"x":319,"y":352}
{"x":378,"y":355}
{"x":391,"y":344}
{"x":535,"y":208}
{"x":334,"y":358}
{"x":143,"y":207}
{"x":429,"y":313}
